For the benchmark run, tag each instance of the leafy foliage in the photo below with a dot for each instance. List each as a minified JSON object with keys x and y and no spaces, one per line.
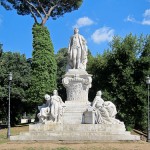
{"x":61,"y":58}
{"x":42,"y":8}
{"x":5,"y":4}
{"x":20,"y":68}
{"x":1,"y":49}
{"x":120,"y":73}
{"x":44,"y":65}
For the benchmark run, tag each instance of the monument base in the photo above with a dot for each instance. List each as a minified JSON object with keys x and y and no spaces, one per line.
{"x":76,"y":132}
{"x":77,"y":125}
{"x":73,"y":112}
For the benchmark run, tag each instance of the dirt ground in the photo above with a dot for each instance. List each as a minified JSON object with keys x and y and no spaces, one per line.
{"x":140,"y":145}
{"x":36,"y":145}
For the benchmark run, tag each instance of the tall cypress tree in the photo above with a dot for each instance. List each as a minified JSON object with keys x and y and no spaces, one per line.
{"x":44,"y":65}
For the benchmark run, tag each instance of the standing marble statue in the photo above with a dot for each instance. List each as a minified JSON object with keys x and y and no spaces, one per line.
{"x":77,"y":51}
{"x":56,"y":107}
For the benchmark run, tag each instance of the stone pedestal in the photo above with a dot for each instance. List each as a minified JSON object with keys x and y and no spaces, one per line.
{"x":77,"y":83}
{"x":89,"y":117}
{"x":73,"y":112}
{"x":76,"y":132}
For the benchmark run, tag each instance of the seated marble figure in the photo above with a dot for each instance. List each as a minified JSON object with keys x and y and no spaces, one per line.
{"x":44,"y":109}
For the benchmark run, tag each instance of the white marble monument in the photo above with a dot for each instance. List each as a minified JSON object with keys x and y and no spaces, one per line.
{"x":77,"y":119}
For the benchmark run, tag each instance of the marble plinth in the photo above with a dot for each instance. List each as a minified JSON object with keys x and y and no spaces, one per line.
{"x":77,"y":83}
{"x":73,"y":113}
{"x":76,"y":132}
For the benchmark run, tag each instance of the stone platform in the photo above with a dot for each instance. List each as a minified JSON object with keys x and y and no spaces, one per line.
{"x":75,"y":132}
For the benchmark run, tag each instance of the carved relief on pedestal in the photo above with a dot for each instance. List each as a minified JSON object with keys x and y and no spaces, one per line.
{"x":77,"y":87}
{"x":74,"y":91}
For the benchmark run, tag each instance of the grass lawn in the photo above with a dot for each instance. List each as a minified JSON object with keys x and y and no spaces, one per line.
{"x":14,"y":131}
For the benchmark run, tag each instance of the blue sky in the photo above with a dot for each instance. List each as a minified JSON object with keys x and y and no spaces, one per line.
{"x":97,"y":20}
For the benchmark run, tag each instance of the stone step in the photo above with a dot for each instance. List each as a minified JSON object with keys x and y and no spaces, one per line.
{"x":78,"y":127}
{"x":70,"y":133}
{"x":72,"y":136}
{"x":94,"y":127}
{"x":77,"y":104}
{"x":76,"y":119}
{"x":75,"y":110}
{"x":46,"y":127}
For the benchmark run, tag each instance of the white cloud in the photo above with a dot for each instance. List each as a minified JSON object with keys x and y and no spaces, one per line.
{"x":84,"y":21}
{"x":146,"y":19}
{"x":147,"y":13}
{"x":130,"y":19}
{"x":102,"y":34}
{"x":146,"y":22}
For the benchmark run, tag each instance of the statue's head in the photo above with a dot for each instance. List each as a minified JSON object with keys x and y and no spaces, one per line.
{"x":47,"y":97}
{"x":99,"y":93}
{"x":76,"y":30}
{"x":55,"y":92}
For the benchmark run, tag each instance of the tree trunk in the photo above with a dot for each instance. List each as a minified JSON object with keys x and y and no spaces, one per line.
{"x":44,"y":21}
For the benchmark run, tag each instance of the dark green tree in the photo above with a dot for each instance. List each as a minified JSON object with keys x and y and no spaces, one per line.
{"x":97,"y":66}
{"x":120,"y":73}
{"x":1,"y":49}
{"x":121,"y":66}
{"x":61,"y":58}
{"x":44,"y":65}
{"x":142,"y":69}
{"x":20,"y":68}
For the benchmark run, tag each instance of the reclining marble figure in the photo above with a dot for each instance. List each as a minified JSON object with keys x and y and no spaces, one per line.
{"x":105,"y":111}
